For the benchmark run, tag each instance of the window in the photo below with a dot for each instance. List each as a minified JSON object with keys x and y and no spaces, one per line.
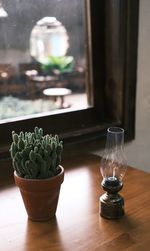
{"x":40,"y":49}
{"x":111,"y":43}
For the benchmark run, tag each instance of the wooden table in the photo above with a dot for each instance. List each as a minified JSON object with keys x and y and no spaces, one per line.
{"x":78,"y":226}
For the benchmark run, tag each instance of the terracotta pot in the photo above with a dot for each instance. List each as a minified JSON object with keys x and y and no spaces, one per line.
{"x":40,"y":196}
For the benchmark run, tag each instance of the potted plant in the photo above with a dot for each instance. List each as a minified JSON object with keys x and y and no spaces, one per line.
{"x":36,"y":161}
{"x":58,"y":65}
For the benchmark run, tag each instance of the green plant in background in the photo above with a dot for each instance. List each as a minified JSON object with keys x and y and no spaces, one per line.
{"x":57,"y":65}
{"x":34,"y":155}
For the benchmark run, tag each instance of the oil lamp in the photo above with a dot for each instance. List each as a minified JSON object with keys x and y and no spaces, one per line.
{"x":113,"y":167}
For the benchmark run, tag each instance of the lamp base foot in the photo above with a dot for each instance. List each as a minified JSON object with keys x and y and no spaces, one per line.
{"x":111,"y":206}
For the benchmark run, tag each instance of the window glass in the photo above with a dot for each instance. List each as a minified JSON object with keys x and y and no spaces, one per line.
{"x":43,"y":63}
{"x":101,"y":67}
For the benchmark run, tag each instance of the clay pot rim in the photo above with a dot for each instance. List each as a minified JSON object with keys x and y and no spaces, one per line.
{"x":40,"y":180}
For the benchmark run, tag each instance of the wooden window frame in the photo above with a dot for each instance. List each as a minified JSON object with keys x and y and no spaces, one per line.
{"x":110,"y":21}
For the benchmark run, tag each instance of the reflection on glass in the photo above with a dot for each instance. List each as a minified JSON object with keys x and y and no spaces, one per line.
{"x":42,"y":46}
{"x":3,"y":12}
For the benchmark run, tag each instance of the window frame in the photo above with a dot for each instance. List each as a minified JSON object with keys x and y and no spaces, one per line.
{"x":91,"y":122}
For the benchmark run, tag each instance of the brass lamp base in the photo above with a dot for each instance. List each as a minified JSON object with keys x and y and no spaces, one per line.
{"x":111,"y":203}
{"x":111,"y":206}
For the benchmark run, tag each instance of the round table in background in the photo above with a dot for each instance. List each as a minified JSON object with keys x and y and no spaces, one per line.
{"x":58,"y":93}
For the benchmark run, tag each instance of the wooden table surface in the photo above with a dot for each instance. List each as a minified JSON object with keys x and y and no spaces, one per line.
{"x":77,"y":225}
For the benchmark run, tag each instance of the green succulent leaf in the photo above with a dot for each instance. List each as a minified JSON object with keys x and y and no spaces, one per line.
{"x":35,"y":155}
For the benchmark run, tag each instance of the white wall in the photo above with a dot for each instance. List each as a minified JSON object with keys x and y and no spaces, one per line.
{"x":138,"y":151}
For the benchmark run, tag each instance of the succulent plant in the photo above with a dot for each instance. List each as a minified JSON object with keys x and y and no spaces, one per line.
{"x":34,"y":155}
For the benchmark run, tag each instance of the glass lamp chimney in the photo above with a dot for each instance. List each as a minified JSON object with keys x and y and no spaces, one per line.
{"x":113,"y":167}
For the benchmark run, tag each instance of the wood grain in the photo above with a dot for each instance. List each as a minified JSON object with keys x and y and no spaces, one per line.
{"x":77,"y":225}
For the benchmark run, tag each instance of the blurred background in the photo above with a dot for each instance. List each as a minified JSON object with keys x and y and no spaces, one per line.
{"x":28,"y":65}
{"x":23,"y":78}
